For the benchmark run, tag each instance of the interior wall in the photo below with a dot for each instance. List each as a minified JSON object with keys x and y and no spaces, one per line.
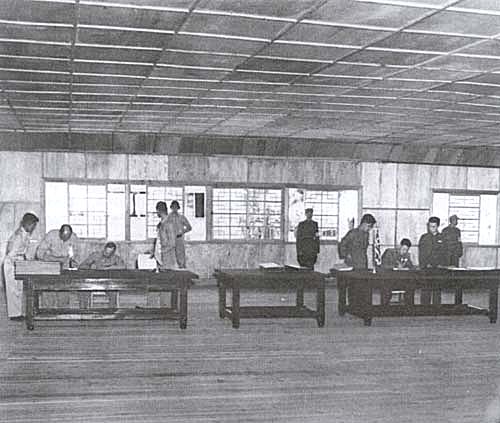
{"x":399,"y":195}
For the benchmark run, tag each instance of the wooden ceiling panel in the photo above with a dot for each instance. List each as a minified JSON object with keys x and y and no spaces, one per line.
{"x":112,"y":68}
{"x":392,"y":58}
{"x":130,"y":17}
{"x":278,"y":65}
{"x":201,"y":60}
{"x":359,"y":13}
{"x":38,"y":11}
{"x":214,"y":44}
{"x":122,"y":38}
{"x":425,"y":42}
{"x":35,"y":33}
{"x":235,"y":26}
{"x":327,"y":34}
{"x":188,"y":73}
{"x":34,"y":50}
{"x":260,"y":77}
{"x":295,"y":51}
{"x":358,"y":69}
{"x":461,"y":63}
{"x":281,"y":9}
{"x":116,"y":54}
{"x":33,"y":76}
{"x":460,"y":23}
{"x":60,"y":65}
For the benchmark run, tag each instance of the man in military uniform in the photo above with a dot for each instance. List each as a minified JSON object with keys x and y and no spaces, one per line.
{"x":396,"y":258}
{"x":17,"y":249}
{"x":452,"y":242}
{"x":103,"y":260}
{"x":307,"y":241}
{"x":431,"y":254}
{"x":353,"y":246}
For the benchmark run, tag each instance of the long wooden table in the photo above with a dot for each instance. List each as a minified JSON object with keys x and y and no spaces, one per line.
{"x":275,"y":280}
{"x":357,"y":286}
{"x":87,"y":281}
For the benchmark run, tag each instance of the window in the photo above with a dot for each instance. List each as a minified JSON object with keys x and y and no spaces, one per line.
{"x":93,"y":210}
{"x":143,"y":217}
{"x":246,"y":213}
{"x":331,"y":209}
{"x":476,"y":213}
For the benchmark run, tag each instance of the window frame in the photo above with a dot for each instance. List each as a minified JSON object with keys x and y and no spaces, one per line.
{"x":87,"y":182}
{"x":473,"y":192}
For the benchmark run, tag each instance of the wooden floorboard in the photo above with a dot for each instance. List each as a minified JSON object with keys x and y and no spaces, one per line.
{"x":422,"y":369}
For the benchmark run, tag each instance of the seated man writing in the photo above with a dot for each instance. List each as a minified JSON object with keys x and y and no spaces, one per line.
{"x":104,"y":260}
{"x":396,"y":258}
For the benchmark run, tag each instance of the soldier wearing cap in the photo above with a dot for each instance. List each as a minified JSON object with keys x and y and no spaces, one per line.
{"x":352,"y":248}
{"x":307,"y":241}
{"x":452,"y":242}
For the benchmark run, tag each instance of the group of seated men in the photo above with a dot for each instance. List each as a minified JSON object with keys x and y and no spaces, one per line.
{"x":63,"y":246}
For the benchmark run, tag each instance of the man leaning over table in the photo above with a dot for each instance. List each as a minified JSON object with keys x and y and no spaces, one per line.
{"x":17,"y":248}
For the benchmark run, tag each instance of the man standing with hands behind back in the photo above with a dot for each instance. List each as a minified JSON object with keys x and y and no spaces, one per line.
{"x":452,"y":241}
{"x":307,"y":238}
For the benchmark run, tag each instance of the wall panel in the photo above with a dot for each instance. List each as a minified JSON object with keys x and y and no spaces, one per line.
{"x":379,"y":185}
{"x":227,"y":169}
{"x":482,"y":179}
{"x":479,"y":256}
{"x":148,"y":167}
{"x":20,"y":176}
{"x":265,"y":171}
{"x":106,"y":166}
{"x":411,"y":224}
{"x":341,"y":173}
{"x":64,"y":165}
{"x":414,"y":186}
{"x":188,"y":168}
{"x":448,"y":177}
{"x":386,"y":222}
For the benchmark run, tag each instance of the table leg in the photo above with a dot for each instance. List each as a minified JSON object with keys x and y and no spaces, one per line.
{"x":236,"y":305}
{"x":183,"y":306}
{"x":320,"y":306}
{"x":459,"y":296}
{"x":173,"y":299}
{"x":222,"y":300}
{"x":28,"y":286}
{"x":342,"y":296}
{"x":493,"y":312}
{"x":409,"y":297}
{"x":84,"y":299}
{"x":425,"y":296}
{"x":113,"y":299}
{"x":436,"y":296}
{"x":300,"y":296}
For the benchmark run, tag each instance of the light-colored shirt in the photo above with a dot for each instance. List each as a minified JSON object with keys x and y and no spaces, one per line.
{"x":171,"y":227}
{"x":53,"y":246}
{"x":18,"y":244}
{"x":99,"y":261}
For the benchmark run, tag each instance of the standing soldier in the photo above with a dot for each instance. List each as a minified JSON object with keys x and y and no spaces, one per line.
{"x":352,"y":248}
{"x":307,"y":241}
{"x":16,"y":250}
{"x":171,"y":232}
{"x":452,"y":242}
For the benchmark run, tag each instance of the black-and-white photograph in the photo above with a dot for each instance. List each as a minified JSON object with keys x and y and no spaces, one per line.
{"x":242,"y":211}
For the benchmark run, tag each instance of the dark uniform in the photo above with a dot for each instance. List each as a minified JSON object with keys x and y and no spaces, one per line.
{"x":453,"y":245}
{"x":431,"y":253}
{"x":393,"y":258}
{"x":307,"y":243}
{"x":352,"y":248}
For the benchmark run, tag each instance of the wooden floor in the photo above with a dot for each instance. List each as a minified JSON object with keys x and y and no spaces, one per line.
{"x":399,"y":370}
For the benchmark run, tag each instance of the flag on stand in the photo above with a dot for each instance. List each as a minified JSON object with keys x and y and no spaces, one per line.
{"x":377,"y":253}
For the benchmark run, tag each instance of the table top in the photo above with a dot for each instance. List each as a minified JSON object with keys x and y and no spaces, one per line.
{"x":136,"y":274}
{"x":261,"y":277}
{"x":417,"y":273}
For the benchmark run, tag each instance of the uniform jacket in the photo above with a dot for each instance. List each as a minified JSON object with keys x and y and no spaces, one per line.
{"x":352,"y":248}
{"x":431,"y":251}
